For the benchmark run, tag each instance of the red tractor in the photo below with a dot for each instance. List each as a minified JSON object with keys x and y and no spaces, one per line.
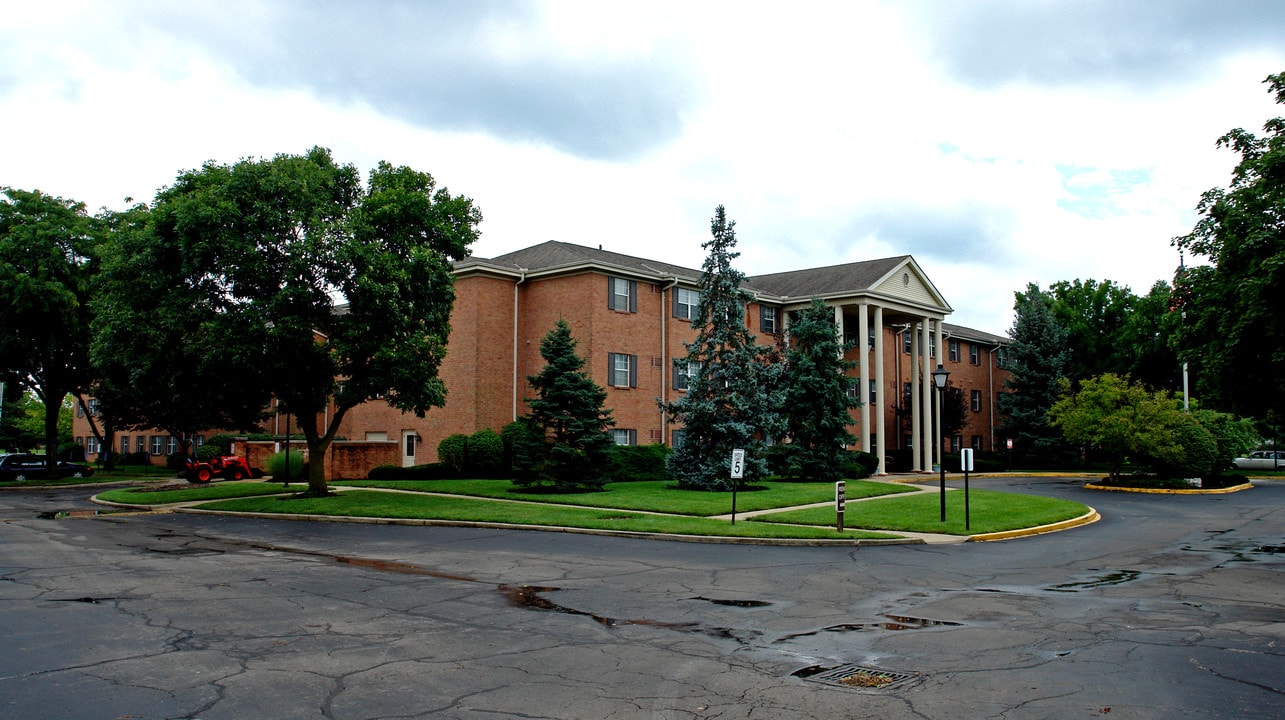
{"x":230,"y":467}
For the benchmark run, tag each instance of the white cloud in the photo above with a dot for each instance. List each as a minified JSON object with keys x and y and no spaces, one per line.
{"x":832,"y":132}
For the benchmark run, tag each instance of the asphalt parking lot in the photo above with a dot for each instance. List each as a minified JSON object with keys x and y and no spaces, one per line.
{"x":1169,"y":607}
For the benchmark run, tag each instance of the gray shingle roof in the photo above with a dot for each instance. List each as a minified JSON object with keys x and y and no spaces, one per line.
{"x":554,"y":254}
{"x":849,"y":277}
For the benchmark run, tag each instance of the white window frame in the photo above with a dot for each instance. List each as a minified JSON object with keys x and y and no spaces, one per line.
{"x":685,"y":303}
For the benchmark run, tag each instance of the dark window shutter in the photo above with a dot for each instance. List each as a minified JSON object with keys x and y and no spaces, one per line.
{"x":611,"y":293}
{"x":633,"y":371}
{"x":633,"y":296}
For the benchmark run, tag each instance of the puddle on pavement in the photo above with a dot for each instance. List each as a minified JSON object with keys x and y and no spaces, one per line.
{"x":1114,"y":578}
{"x":892,"y":622}
{"x":60,"y":514}
{"x":736,"y":603}
{"x":1118,"y":577}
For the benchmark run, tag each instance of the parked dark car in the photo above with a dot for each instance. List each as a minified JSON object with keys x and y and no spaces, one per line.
{"x":25,"y":466}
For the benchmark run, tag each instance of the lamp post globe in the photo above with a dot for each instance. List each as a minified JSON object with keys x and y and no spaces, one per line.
{"x":940,"y":376}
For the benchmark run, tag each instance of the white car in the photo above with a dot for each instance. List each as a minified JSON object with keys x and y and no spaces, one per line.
{"x":1261,"y":460}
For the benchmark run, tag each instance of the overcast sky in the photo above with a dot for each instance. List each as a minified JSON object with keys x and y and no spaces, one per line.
{"x":999,"y":142}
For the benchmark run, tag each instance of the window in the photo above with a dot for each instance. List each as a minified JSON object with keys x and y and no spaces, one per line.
{"x":905,"y":395}
{"x":905,"y":341}
{"x":684,"y":373}
{"x":974,"y":354}
{"x":977,"y":442}
{"x":870,"y":337}
{"x":142,"y":444}
{"x":622,"y":370}
{"x":91,"y":445}
{"x":622,"y":294}
{"x":874,"y":394}
{"x":93,"y":407}
{"x":956,"y":442}
{"x":1001,"y":357}
{"x":124,"y":444}
{"x":158,"y":444}
{"x":932,"y":344}
{"x":625,"y":437}
{"x":676,"y":438}
{"x":768,"y":317}
{"x":953,"y":348}
{"x":977,"y":400}
{"x":173,"y":445}
{"x":685,"y":302}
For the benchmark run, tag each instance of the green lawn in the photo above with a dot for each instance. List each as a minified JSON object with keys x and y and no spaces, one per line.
{"x":617,"y":508}
{"x":372,"y":503}
{"x":989,"y":511}
{"x":653,"y":496}
{"x":212,"y":491}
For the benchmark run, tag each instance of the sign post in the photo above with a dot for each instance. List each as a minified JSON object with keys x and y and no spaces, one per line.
{"x":966,"y":464}
{"x":738,"y":472}
{"x":840,"y":501}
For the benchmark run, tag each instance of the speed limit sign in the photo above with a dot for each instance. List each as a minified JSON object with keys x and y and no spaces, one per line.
{"x":738,"y":464}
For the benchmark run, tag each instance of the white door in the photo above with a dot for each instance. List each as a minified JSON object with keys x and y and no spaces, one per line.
{"x":409,"y":440}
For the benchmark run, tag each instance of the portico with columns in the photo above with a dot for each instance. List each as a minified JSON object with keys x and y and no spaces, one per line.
{"x":881,"y":301}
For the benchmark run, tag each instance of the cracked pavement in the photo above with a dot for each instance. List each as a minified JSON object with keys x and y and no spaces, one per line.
{"x":1169,"y":607}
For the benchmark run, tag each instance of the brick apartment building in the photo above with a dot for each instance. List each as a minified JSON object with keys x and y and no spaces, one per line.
{"x":630,"y":317}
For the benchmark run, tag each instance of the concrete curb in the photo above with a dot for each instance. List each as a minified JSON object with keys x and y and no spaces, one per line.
{"x":713,"y":539}
{"x":1088,"y":518}
{"x":1170,"y":491}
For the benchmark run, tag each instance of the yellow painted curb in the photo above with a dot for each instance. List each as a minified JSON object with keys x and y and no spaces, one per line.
{"x":1170,"y":491}
{"x":1088,"y":518}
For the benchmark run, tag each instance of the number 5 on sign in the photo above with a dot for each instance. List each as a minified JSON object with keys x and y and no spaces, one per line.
{"x":738,"y":464}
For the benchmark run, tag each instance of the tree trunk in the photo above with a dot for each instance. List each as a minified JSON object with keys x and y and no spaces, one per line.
{"x":317,"y":447}
{"x":53,"y":406}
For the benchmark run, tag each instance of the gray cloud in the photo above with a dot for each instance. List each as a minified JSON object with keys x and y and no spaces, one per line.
{"x":952,"y":234}
{"x":428,"y":64}
{"x":1137,"y":43}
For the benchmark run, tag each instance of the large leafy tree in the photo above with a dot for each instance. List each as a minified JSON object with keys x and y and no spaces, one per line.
{"x":165,"y":353}
{"x":324,"y":292}
{"x":817,"y":390}
{"x":1037,"y":361}
{"x":1234,"y":330}
{"x":1094,"y":315}
{"x":568,"y":447}
{"x":46,"y":271}
{"x":731,"y":398}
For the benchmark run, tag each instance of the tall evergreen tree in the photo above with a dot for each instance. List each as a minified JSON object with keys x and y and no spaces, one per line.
{"x":816,"y":388}
{"x":1038,"y":358}
{"x":731,"y":398}
{"x":567,"y":447}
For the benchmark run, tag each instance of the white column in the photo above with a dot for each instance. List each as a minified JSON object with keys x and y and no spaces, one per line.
{"x":916,"y":404}
{"x":926,"y":380}
{"x":882,"y":395}
{"x":863,"y":374}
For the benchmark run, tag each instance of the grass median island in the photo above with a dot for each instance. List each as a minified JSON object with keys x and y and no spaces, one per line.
{"x":653,"y":496}
{"x":375,"y":504}
{"x":193,"y":493}
{"x":989,"y":511}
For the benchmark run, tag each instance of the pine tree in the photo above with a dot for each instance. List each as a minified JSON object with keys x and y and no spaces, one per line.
{"x":567,"y":447}
{"x":730,"y":400}
{"x":1038,"y":358}
{"x":816,"y":388}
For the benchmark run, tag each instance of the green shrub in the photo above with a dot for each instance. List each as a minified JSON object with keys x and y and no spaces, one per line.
{"x":777,"y":458}
{"x":639,"y":462}
{"x":513,"y":435}
{"x":135,"y":458}
{"x":452,"y":452}
{"x":176,"y":461}
{"x":280,"y":472}
{"x":428,"y":471}
{"x":486,"y":454}
{"x":208,"y":452}
{"x":221,"y":443}
{"x":859,"y":464}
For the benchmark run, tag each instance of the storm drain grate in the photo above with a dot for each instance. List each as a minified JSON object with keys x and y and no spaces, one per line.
{"x":855,"y":676}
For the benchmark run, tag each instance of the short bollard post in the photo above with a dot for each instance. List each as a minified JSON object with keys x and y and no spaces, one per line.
{"x":840,"y":500}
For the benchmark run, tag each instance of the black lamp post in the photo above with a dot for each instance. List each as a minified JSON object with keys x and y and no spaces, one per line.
{"x":940,"y":376}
